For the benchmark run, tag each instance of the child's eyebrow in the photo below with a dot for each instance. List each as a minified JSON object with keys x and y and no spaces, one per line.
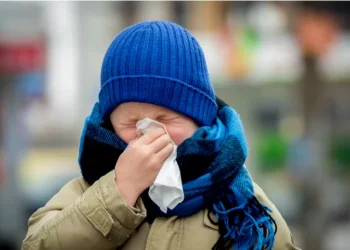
{"x":130,"y":116}
{"x":168,"y":115}
{"x":163,"y":114}
{"x":160,"y":113}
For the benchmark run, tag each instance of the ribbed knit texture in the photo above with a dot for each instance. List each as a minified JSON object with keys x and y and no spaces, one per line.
{"x":160,"y":63}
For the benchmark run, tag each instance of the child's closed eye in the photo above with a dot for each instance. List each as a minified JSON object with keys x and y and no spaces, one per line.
{"x":128,"y":124}
{"x":167,"y":119}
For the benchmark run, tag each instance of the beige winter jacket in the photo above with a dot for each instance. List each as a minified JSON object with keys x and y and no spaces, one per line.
{"x":96,"y":217}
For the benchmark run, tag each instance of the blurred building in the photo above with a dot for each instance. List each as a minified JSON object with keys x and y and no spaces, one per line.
{"x":283,"y":66}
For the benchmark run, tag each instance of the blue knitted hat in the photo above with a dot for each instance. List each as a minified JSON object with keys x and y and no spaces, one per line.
{"x":160,"y":63}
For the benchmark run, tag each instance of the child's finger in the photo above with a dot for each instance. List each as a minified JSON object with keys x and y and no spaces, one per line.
{"x":160,"y":143}
{"x":149,"y":137}
{"x":165,"y":152}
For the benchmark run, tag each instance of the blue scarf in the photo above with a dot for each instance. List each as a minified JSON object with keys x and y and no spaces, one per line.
{"x":212,"y":170}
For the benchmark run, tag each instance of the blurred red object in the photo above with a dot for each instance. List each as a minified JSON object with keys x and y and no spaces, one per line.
{"x":22,"y":56}
{"x":316,"y":31}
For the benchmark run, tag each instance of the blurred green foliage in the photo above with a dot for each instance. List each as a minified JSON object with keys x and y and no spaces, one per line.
{"x":272,"y":151}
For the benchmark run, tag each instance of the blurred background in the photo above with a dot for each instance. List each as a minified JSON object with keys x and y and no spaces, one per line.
{"x":284,"y":66}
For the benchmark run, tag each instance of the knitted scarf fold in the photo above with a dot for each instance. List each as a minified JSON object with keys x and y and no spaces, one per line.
{"x":212,"y":171}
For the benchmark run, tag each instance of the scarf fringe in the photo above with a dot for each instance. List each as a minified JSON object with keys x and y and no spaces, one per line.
{"x":244,"y":224}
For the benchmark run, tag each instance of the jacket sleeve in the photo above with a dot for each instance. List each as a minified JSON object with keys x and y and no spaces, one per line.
{"x":283,"y":237}
{"x":83,"y":217}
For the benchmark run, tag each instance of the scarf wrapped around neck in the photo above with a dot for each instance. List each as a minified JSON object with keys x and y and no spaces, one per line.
{"x":213,"y":176}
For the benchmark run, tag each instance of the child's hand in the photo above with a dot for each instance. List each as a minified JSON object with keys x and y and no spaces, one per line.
{"x":139,"y":164}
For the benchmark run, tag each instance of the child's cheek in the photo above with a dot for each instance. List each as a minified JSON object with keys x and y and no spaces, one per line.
{"x":178,"y":135}
{"x":127,"y":135}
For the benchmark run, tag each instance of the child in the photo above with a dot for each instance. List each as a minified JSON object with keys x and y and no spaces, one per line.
{"x":157,"y":70}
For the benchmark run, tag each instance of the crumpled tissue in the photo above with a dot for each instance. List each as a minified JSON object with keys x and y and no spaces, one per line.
{"x":166,"y":191}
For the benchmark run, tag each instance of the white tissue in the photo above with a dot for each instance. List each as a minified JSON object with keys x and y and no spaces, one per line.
{"x":166,"y":191}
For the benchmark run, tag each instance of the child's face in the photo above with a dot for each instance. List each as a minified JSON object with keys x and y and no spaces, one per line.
{"x":126,"y":115}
